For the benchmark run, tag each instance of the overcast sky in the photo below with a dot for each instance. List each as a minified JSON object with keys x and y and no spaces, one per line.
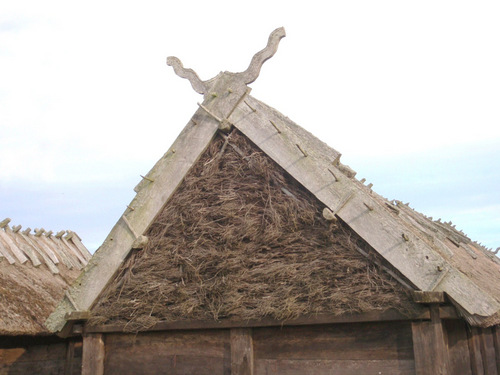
{"x":407,"y":91}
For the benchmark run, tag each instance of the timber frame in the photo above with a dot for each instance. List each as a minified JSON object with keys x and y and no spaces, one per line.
{"x":450,"y":274}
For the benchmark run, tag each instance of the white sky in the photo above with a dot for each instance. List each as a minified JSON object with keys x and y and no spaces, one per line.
{"x":408,"y":91}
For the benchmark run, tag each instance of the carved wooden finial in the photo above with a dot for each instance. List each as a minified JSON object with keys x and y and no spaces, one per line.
{"x":245,"y":78}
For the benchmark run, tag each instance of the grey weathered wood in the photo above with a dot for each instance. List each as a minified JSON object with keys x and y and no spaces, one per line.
{"x":429,"y":346}
{"x":26,"y":249}
{"x":46,"y":245}
{"x":48,"y":262}
{"x":93,"y":354}
{"x":79,"y":245}
{"x":428,"y":297}
{"x":13,"y":247}
{"x":424,"y":267}
{"x":241,"y":351}
{"x":4,"y":251}
{"x":167,"y":173}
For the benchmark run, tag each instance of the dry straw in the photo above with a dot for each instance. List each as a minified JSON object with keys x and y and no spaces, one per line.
{"x":240,"y":240}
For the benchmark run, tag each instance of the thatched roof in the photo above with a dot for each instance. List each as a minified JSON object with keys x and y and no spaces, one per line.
{"x":35,"y":270}
{"x":429,"y":255}
{"x":240,"y":240}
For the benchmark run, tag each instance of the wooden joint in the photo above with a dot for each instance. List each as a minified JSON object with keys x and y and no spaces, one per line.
{"x":4,"y":222}
{"x":16,"y":228}
{"x":301,"y":150}
{"x":370,"y":208}
{"x":333,"y":174}
{"x":147,"y":178}
{"x":77,"y":315}
{"x":276,"y":127}
{"x":249,"y":106}
{"x":427,"y":297}
{"x":39,"y":232}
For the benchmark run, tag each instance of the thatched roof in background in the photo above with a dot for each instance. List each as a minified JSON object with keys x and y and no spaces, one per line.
{"x":430,"y":255}
{"x":35,"y":271}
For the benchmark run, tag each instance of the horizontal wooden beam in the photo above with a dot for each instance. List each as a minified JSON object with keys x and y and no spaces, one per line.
{"x":77,"y":315}
{"x":374,"y":316}
{"x":428,"y":297}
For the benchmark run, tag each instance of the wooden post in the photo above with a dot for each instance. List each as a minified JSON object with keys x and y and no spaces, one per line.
{"x":475,"y":351}
{"x":241,"y":351}
{"x":93,"y":354}
{"x":429,"y":345}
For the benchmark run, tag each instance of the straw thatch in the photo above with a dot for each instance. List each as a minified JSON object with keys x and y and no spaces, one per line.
{"x":240,"y":240}
{"x":35,"y":271}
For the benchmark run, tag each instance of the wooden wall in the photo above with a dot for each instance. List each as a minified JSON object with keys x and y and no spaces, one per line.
{"x":345,"y":349}
{"x":40,"y":355}
{"x":436,"y":346}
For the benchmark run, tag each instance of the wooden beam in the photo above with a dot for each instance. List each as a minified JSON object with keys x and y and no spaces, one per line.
{"x":93,"y":354}
{"x":428,"y":297}
{"x":496,"y":341}
{"x":475,"y":351}
{"x":374,"y":316}
{"x":488,"y":352}
{"x":429,"y":345}
{"x":242,"y":362}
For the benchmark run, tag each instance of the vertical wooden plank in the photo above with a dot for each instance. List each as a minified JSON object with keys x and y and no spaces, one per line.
{"x":458,"y":347}
{"x":242,"y":361}
{"x":429,"y":345}
{"x":70,"y":354}
{"x":488,"y":352}
{"x":496,"y":342}
{"x":93,"y":354}
{"x":475,"y":351}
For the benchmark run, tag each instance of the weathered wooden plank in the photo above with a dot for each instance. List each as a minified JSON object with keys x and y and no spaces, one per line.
{"x":201,"y":352}
{"x":488,"y":352}
{"x":93,"y":354}
{"x":242,"y":361}
{"x":374,"y":316}
{"x":21,"y":245}
{"x":167,"y":175}
{"x":475,"y":351}
{"x":429,"y":345}
{"x":79,"y":245}
{"x":496,"y":341}
{"x":366,"y":341}
{"x":428,"y":297}
{"x":333,"y":367}
{"x":391,"y":237}
{"x":5,"y":252}
{"x":13,"y":247}
{"x":33,"y":359}
{"x":48,"y":262}
{"x":345,"y":198}
{"x":458,"y":348}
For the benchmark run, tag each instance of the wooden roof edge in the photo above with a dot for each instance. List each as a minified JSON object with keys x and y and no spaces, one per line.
{"x":23,"y":246}
{"x":151,"y":196}
{"x":419,"y":262}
